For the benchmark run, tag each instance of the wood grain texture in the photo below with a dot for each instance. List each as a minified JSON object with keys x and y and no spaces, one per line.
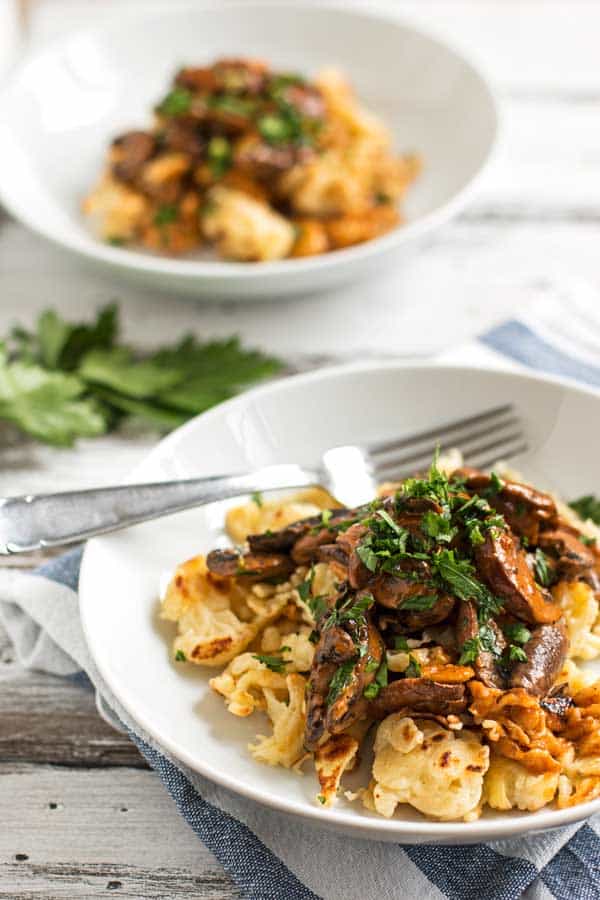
{"x":45,"y":719}
{"x":70,"y":833}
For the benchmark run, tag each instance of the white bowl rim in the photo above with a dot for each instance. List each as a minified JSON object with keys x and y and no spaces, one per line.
{"x":84,"y":244}
{"x":370,"y":828}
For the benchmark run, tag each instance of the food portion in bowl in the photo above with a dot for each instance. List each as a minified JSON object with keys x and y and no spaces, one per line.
{"x":447,"y":619}
{"x":255,"y":164}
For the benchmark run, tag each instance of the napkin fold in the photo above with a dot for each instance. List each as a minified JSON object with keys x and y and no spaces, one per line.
{"x":272,"y":856}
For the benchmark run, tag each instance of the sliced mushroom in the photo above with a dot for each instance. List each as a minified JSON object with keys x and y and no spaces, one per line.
{"x":420,"y":695}
{"x":350,"y":705}
{"x":336,"y":558}
{"x":348,"y":541}
{"x":335,"y":647}
{"x":182,"y":135}
{"x":486,"y":665}
{"x":394,"y":590}
{"x":411,"y":578}
{"x":503,"y":566}
{"x":130,"y":152}
{"x":285,"y":538}
{"x":546,"y":652}
{"x":231,"y":563}
{"x":572,"y":556}
{"x":263,"y":161}
{"x":523,"y":507}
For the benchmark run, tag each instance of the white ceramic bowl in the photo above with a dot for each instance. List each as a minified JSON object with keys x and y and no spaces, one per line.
{"x":64,"y":105}
{"x":296,"y":419}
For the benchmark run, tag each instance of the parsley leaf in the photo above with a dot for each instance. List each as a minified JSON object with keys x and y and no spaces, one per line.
{"x":459,"y":575}
{"x":341,"y":678}
{"x":63,"y":380}
{"x":367,"y":556}
{"x":384,"y":514}
{"x":400,"y":643}
{"x":176,"y":103}
{"x":275,"y":663}
{"x":470,"y":652}
{"x":438,"y":526}
{"x":413,"y":670}
{"x":543,"y":574}
{"x":180,"y":656}
{"x":380,"y":680}
{"x":516,"y":654}
{"x":305,"y":586}
{"x":517,"y":633}
{"x":118,"y":369}
{"x":587,"y":507}
{"x":48,"y":405}
{"x":58,"y":344}
{"x":257,"y":498}
{"x":496,"y":483}
{"x":420,"y":602}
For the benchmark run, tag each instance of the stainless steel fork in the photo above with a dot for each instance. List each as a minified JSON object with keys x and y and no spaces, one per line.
{"x":350,"y":473}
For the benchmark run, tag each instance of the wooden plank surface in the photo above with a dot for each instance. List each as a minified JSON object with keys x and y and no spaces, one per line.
{"x":73,"y":833}
{"x":81,"y":815}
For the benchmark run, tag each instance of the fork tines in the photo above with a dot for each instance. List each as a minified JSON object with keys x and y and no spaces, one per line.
{"x":483,"y":438}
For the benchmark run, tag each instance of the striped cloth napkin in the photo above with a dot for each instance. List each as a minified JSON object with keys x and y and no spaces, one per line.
{"x":272,"y":856}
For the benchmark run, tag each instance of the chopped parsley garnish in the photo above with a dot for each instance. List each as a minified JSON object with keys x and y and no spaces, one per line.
{"x":438,"y":526}
{"x":352,"y":612}
{"x":516,"y":654}
{"x":517,"y":633}
{"x":367,"y":556}
{"x":304,"y":588}
{"x":340,"y":680}
{"x":543,"y":574}
{"x":413,"y":670}
{"x":165,"y":214}
{"x":326,"y":516}
{"x":318,"y":606}
{"x":257,"y":498}
{"x":588,"y":541}
{"x":420,"y":602}
{"x":380,"y":680}
{"x":275,"y":662}
{"x":458,"y":574}
{"x":496,"y":483}
{"x":587,"y":507}
{"x":275,"y":129}
{"x":176,"y":103}
{"x":219,"y":156}
{"x":180,"y":656}
{"x":400,"y":643}
{"x":384,"y":514}
{"x":473,"y":527}
{"x":470,"y":652}
{"x":231,"y":104}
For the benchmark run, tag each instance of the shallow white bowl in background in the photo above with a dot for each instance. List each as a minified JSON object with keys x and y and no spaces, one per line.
{"x":65,"y":103}
{"x":295,"y":420}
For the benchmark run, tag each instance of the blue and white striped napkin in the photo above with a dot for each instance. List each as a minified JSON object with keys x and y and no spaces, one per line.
{"x":272,"y":856}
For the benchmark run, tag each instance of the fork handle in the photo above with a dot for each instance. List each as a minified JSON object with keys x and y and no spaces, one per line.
{"x":50,"y":520}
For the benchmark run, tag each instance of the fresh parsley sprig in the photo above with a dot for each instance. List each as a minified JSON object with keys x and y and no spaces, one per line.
{"x":274,"y":662}
{"x":64,"y":380}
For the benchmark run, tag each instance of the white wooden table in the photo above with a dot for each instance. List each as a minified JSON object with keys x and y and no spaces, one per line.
{"x":81,"y":815}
